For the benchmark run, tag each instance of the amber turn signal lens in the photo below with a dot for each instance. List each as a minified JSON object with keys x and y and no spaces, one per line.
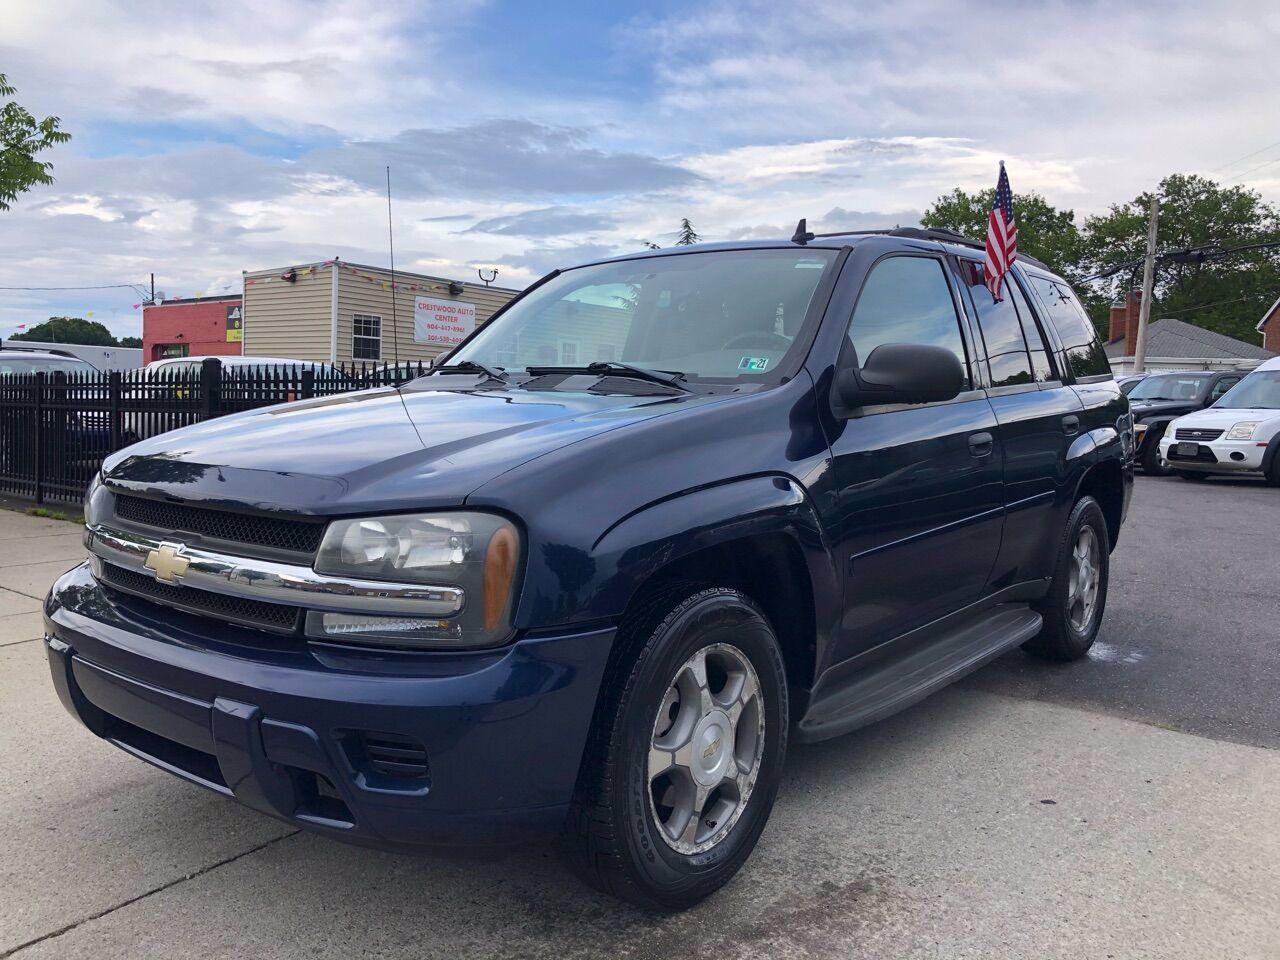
{"x":499,"y":571}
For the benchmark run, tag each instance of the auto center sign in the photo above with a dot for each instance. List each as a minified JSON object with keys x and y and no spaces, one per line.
{"x":447,"y":322}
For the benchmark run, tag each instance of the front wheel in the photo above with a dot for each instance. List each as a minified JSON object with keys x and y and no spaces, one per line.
{"x":1072,"y":610}
{"x":686,"y":752}
{"x":1152,"y":464}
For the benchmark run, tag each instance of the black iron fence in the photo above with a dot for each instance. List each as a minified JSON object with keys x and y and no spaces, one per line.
{"x":56,"y":428}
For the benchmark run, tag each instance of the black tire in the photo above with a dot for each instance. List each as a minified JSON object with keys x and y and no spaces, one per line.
{"x":612,"y":837}
{"x":1192,"y":475}
{"x":1273,"y":472}
{"x":1060,"y":638}
{"x":1152,"y":465}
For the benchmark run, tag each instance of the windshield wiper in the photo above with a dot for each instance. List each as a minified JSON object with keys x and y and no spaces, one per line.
{"x":669,"y":378}
{"x":470,"y":366}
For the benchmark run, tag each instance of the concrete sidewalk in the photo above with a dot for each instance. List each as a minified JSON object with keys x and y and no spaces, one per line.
{"x":973,"y":825}
{"x":33,"y":552}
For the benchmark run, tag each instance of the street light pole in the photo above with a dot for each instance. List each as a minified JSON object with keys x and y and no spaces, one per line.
{"x":1148,"y":282}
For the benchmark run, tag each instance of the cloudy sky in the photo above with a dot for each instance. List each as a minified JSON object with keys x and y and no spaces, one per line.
{"x":211,"y":138}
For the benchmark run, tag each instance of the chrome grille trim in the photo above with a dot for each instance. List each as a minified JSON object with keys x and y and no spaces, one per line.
{"x":1192,"y":433}
{"x":271,"y":582}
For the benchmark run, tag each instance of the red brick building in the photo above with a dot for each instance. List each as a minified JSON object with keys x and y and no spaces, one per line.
{"x":204,"y":327}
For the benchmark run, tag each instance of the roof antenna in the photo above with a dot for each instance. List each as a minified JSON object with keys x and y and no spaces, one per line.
{"x":802,"y":234}
{"x":391,"y":242}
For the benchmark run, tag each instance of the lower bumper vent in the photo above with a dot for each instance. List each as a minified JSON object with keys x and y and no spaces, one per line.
{"x":395,"y":756}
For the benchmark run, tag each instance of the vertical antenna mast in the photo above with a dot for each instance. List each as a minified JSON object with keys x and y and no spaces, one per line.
{"x":391,"y":243}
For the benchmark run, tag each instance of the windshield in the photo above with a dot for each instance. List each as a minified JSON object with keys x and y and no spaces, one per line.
{"x":1169,"y":386}
{"x":13,"y":364}
{"x":1258,"y":391}
{"x":707,"y":315}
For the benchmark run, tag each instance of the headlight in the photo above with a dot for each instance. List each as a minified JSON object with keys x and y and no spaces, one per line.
{"x":1242,"y":431}
{"x":94,"y":501}
{"x":478,"y":552}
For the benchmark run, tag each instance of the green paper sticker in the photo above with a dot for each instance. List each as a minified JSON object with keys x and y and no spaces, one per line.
{"x":753,"y":364}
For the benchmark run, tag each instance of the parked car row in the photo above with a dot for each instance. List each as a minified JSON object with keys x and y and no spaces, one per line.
{"x":1158,"y":399}
{"x":1238,"y":434}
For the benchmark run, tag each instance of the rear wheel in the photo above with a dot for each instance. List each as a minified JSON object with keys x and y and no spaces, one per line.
{"x":686,"y":752}
{"x":1072,"y":610}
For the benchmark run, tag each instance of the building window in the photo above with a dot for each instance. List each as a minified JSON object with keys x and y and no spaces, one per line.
{"x":163,"y":351}
{"x":569,"y":352}
{"x":366,"y":337}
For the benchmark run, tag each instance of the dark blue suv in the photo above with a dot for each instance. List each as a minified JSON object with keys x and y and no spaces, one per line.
{"x":658,"y":516}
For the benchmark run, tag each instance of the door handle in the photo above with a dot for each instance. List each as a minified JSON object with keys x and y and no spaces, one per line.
{"x":981,"y":444}
{"x":1071,"y":425}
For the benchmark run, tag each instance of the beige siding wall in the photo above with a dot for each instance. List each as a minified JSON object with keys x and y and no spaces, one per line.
{"x":284,"y":319}
{"x":294,"y":319}
{"x":356,"y":294}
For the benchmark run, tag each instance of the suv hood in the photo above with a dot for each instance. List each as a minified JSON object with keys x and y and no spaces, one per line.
{"x":1226,"y":417}
{"x":1147,"y":408}
{"x":374,"y":450}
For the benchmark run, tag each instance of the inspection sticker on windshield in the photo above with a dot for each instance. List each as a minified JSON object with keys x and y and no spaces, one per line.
{"x":753,"y":364}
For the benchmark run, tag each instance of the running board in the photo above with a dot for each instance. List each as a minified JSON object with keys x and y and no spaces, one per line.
{"x":893,"y":686}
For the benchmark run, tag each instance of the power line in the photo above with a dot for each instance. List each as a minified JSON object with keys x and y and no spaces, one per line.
{"x":1241,"y":176}
{"x":102,"y":286}
{"x":1202,"y":306}
{"x":1245,"y":157}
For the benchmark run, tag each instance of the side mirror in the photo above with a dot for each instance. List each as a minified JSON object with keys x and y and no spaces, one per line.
{"x":902,"y":373}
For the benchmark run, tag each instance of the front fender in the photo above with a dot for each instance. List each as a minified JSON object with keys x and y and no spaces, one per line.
{"x":639,"y":545}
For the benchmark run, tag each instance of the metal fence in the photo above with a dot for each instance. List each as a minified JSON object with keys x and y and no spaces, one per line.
{"x":56,"y":429}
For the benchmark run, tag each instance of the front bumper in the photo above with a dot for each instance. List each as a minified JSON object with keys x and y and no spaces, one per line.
{"x":1216,"y":456}
{"x":281,"y":725}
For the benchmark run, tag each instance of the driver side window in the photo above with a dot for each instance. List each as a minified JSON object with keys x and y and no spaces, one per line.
{"x":1222,"y":386}
{"x":907,"y":300}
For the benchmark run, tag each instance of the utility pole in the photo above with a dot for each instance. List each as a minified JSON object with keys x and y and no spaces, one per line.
{"x":1148,"y":282}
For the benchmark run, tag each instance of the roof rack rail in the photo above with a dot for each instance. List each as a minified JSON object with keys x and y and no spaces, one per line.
{"x":935,"y":233}
{"x":917,"y":233}
{"x":940,"y":234}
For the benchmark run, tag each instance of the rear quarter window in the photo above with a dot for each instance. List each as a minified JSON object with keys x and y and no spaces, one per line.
{"x":1085,"y":354}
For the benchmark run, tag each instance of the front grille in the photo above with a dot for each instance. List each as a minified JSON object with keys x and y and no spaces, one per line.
{"x":275,"y":617}
{"x":296,"y":536}
{"x":1183,"y":433}
{"x":395,"y":756}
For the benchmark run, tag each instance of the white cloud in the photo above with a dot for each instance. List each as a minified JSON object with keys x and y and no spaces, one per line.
{"x":211,"y":138}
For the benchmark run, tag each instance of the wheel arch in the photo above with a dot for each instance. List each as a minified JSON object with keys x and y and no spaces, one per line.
{"x":759,"y":535}
{"x":1104,"y":481}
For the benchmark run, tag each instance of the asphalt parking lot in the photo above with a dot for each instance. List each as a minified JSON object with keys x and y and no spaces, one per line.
{"x":1126,"y":806}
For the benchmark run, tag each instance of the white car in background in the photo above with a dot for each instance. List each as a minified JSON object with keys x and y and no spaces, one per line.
{"x":1239,"y":434}
{"x":174,"y":377}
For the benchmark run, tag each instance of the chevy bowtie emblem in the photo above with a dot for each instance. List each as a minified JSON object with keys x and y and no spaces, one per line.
{"x":712,"y":747}
{"x":167,"y":563}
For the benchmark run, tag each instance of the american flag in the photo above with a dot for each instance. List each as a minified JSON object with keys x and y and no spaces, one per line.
{"x":1002,"y":235}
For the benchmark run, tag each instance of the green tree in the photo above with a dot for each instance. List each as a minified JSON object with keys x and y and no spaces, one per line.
{"x":131,"y":342}
{"x":21,"y":138}
{"x":1044,"y":231}
{"x":1226,"y":294}
{"x":688,"y":235}
{"x":69,"y":330}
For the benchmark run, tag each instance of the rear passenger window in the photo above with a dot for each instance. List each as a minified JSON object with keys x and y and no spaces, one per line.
{"x":1041,"y":368}
{"x":1085,"y":355}
{"x":1001,"y":331}
{"x":906,"y":300}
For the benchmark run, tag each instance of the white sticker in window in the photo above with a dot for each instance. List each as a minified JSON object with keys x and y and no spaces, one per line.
{"x":753,"y":364}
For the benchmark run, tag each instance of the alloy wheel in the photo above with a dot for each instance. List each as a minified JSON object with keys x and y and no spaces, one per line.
{"x":706,"y":748}
{"x":1082,"y":590}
